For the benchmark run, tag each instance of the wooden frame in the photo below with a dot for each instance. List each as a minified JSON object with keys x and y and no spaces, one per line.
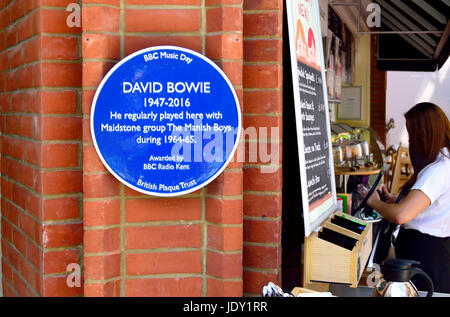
{"x":329,"y":263}
{"x":351,"y":94}
{"x":311,"y":219}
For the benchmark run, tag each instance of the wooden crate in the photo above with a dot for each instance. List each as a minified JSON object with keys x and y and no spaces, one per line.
{"x":330,"y":263}
{"x":296,"y":291}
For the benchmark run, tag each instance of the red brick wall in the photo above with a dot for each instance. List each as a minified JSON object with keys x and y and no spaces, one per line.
{"x":60,"y":205}
{"x":138,"y":245}
{"x":41,"y":183}
{"x":377,"y":93}
{"x":262,"y":79}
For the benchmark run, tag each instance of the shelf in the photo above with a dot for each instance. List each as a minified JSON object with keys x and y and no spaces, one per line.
{"x":334,"y":100}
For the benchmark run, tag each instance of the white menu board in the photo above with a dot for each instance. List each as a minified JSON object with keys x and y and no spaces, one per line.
{"x":318,"y":187}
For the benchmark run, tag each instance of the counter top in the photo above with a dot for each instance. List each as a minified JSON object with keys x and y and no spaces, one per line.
{"x":361,"y":171}
{"x":365,"y":291}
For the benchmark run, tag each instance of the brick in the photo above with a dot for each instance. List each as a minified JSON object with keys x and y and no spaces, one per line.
{"x":27,"y":126}
{"x":220,"y":288}
{"x":11,"y":36}
{"x":101,"y":46}
{"x":262,"y":24}
{"x":61,"y":208}
{"x":59,"y":155}
{"x":10,"y":212}
{"x":7,"y":291}
{"x":263,"y":152}
{"x":263,"y":101}
{"x":57,"y":261}
{"x":224,"y":19}
{"x":37,"y":75}
{"x":102,"y":267}
{"x":57,"y":287}
{"x":101,"y":213}
{"x":139,"y":210}
{"x":7,"y":271}
{"x":106,"y":240}
{"x":12,"y":169}
{"x":13,"y":147}
{"x":91,"y":160}
{"x":11,"y":81}
{"x":62,"y":235}
{"x":135,"y":43}
{"x":18,"y":9}
{"x":63,"y":48}
{"x":255,"y":281}
{"x":109,"y":289}
{"x":27,"y":225}
{"x":256,"y":181}
{"x":19,"y":195}
{"x":262,"y":205}
{"x":262,"y":231}
{"x":37,"y":22}
{"x":16,"y":56}
{"x":18,"y":102}
{"x":25,"y":28}
{"x":226,"y":46}
{"x":94,"y":72}
{"x":12,"y":125}
{"x":32,"y":50}
{"x":267,"y":127}
{"x":164,"y":263}
{"x":5,"y":18}
{"x":87,"y":99}
{"x":162,"y":20}
{"x":34,"y":101}
{"x":161,"y":287}
{"x":222,"y":2}
{"x":225,"y":238}
{"x":19,"y":241}
{"x":262,"y":76}
{"x":5,"y":102}
{"x":227,"y":184}
{"x":166,"y":2}
{"x":55,"y":21}
{"x":233,"y":70}
{"x":7,"y":232}
{"x":87,"y":137}
{"x":261,"y":256}
{"x":256,"y":50}
{"x":61,"y":74}
{"x":98,"y":186}
{"x":29,"y":274}
{"x":35,"y":255}
{"x":11,"y":254}
{"x":19,"y":285}
{"x":25,"y":77}
{"x":58,"y":182}
{"x":224,"y":211}
{"x":56,"y":3}
{"x":224,"y":265}
{"x":263,"y":4}
{"x":176,"y":236}
{"x":101,"y":18}
{"x":33,"y":153}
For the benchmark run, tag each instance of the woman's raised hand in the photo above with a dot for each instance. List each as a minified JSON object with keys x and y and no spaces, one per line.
{"x":386,"y":196}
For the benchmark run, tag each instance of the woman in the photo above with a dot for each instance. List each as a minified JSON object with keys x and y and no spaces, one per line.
{"x":424,"y":213}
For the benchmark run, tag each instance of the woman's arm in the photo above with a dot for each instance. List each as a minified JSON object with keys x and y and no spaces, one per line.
{"x":386,"y":196}
{"x":411,"y":206}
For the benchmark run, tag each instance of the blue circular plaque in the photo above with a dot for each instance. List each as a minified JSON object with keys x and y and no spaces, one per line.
{"x":165,"y":121}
